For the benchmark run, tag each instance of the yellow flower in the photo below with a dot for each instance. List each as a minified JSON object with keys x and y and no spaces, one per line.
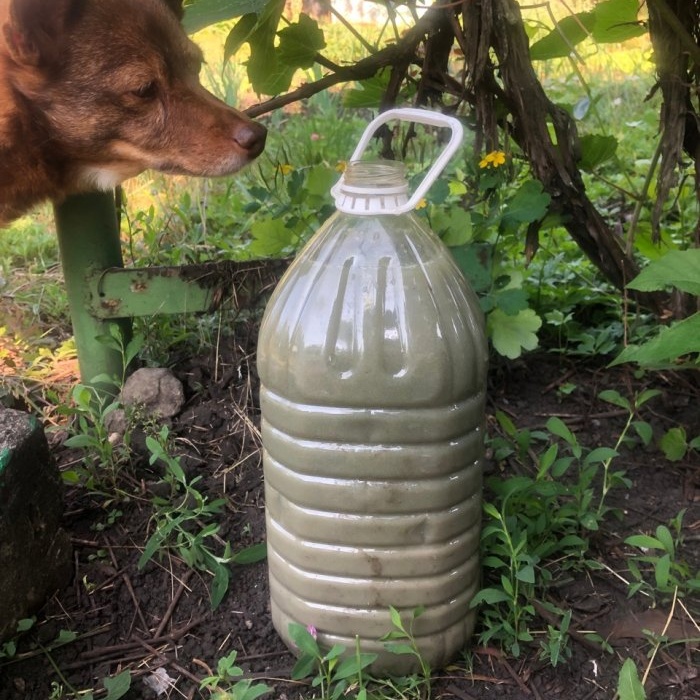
{"x":422,"y":204}
{"x":340,"y":166}
{"x":493,"y":160}
{"x":285,"y":168}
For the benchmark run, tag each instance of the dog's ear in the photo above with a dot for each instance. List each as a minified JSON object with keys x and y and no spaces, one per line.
{"x":34,"y":27}
{"x":176,"y":7}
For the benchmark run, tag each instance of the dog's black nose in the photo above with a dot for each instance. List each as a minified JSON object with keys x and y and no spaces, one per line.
{"x":250,"y":136}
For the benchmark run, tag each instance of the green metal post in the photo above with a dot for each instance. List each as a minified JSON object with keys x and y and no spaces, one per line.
{"x":88,"y":239}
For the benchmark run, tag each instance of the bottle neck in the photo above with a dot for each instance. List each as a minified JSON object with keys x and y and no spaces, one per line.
{"x":372,"y":187}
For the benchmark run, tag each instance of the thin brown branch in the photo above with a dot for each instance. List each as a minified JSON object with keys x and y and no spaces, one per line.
{"x":362,"y":70}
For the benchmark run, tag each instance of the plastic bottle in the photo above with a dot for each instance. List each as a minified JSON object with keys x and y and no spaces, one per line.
{"x":372,"y":360}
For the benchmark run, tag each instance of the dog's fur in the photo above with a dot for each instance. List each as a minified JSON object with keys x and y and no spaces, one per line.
{"x":96,"y":91}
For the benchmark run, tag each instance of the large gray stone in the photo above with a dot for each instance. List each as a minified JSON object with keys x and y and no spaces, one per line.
{"x":155,"y":389}
{"x":35,"y":553}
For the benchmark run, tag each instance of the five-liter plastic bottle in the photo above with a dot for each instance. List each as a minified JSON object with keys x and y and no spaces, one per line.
{"x":372,"y":360}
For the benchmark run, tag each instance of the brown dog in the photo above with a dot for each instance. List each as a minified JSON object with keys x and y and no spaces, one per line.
{"x":96,"y":91}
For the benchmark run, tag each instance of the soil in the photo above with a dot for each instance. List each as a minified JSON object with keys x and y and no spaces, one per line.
{"x":160,"y":617}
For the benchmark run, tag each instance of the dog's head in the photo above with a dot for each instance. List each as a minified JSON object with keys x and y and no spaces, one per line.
{"x":115,"y":85}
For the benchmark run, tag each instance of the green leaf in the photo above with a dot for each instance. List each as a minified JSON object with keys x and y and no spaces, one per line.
{"x":219,"y":585}
{"x":616,"y":21}
{"x":644,"y":430}
{"x":664,"y":536}
{"x":239,"y":34}
{"x":629,"y":686}
{"x":615,"y":398}
{"x":600,"y":454}
{"x":556,"y":426}
{"x":271,"y":237}
{"x":252,"y":691}
{"x":25,"y":624}
{"x":678,"y":268}
{"x":301,"y":42}
{"x":513,"y":334}
{"x":560,"y":42}
{"x":471,"y":264}
{"x":453,"y":224}
{"x":268,"y":74}
{"x":353,"y":665}
{"x":117,"y":686}
{"x":395,"y":616}
{"x":512,"y":301}
{"x":528,"y":204}
{"x":490,"y":596}
{"x":303,"y":639}
{"x":400,"y":648}
{"x":674,"y":444}
{"x":643,"y":542}
{"x":304,"y":667}
{"x":526,"y":574}
{"x":202,"y":13}
{"x":369,"y":93}
{"x":319,"y":179}
{"x":671,"y":344}
{"x":250,"y":555}
{"x":596,"y":149}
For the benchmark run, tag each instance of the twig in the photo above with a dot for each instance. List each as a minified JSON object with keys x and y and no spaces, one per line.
{"x":175,"y":666}
{"x":108,"y":651}
{"x":515,"y":676}
{"x":129,"y":587}
{"x":363,"y":69}
{"x":657,"y":646}
{"x":169,"y":612}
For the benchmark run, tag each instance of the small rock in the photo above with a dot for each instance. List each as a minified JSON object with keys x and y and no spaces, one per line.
{"x":155,"y":389}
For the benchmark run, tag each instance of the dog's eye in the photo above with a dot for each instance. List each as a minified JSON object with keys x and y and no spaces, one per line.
{"x":146,"y":91}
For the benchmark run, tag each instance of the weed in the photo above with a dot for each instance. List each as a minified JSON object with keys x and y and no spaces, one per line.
{"x":222,"y":684}
{"x":103,"y":458}
{"x":535,"y":519}
{"x":555,"y":647}
{"x":185,"y":523}
{"x":339,"y":673}
{"x":658,"y":571}
{"x":8,"y":649}
{"x":333,"y":673}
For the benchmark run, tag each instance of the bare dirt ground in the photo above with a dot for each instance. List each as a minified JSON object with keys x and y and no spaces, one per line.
{"x":160,"y":617}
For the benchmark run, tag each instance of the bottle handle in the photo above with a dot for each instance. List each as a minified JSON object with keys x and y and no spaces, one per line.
{"x":419,"y":116}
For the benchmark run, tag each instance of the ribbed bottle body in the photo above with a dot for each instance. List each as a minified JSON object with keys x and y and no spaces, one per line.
{"x":372,"y":362}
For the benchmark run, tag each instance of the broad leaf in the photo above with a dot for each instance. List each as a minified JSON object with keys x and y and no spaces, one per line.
{"x":300,"y":42}
{"x":367,"y":94}
{"x":454,"y":224}
{"x":303,"y":639}
{"x":678,"y":268}
{"x":117,"y":686}
{"x":250,"y":555}
{"x":268,"y":74}
{"x":674,"y":444}
{"x":629,"y":686}
{"x":596,"y":149}
{"x":271,"y":237}
{"x":561,"y":41}
{"x":528,"y":204}
{"x":616,"y":21}
{"x":472,"y":266}
{"x":513,"y":334}
{"x":511,"y":301}
{"x":202,"y":13}
{"x":241,"y":32}
{"x":667,"y":347}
